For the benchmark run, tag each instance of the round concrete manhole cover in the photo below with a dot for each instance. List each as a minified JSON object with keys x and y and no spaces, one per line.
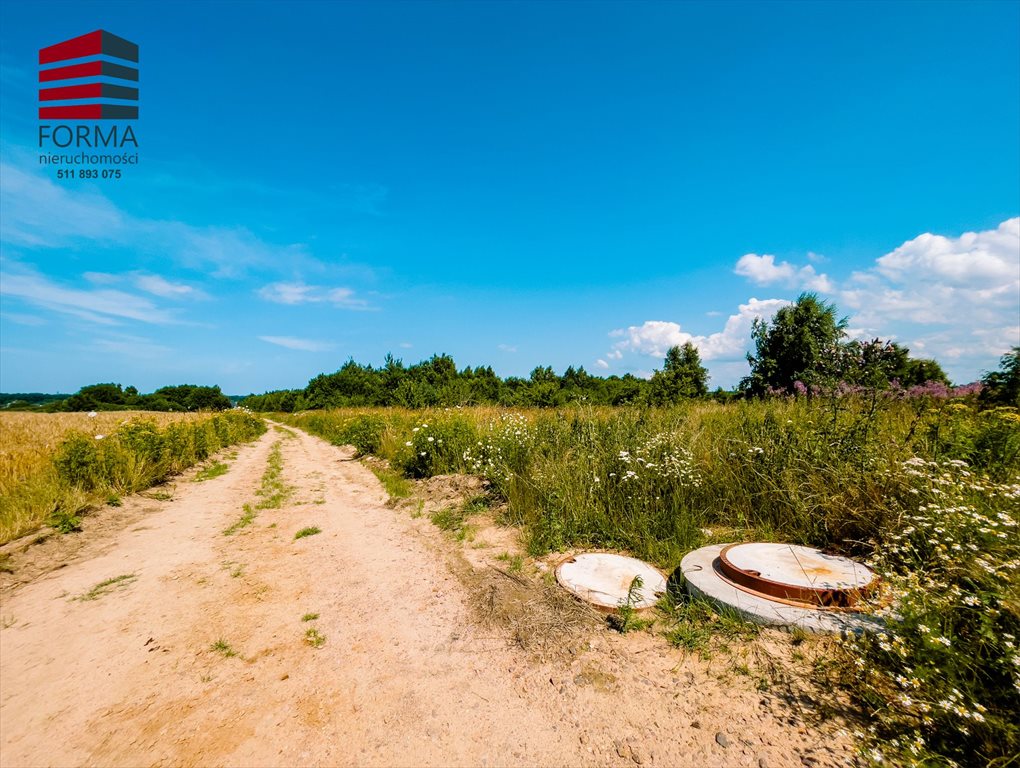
{"x":792,"y":572}
{"x":784,"y":585}
{"x":605,"y":580}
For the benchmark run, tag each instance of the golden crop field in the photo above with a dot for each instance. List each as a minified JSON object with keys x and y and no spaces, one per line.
{"x":116,"y":452}
{"x":28,"y":440}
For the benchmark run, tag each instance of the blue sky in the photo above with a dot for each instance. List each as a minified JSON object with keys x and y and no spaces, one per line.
{"x":514,"y":184}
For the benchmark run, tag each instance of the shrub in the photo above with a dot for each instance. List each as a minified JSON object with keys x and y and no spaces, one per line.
{"x":437,"y":446}
{"x":943,"y":680}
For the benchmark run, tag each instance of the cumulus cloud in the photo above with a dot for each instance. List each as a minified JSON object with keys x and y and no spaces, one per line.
{"x":986,"y":259}
{"x":290,"y":342}
{"x":600,"y":363}
{"x":955,"y":298}
{"x":951,"y":298}
{"x":506,"y":348}
{"x":300,"y":293}
{"x":654,"y":337}
{"x":763,"y":270}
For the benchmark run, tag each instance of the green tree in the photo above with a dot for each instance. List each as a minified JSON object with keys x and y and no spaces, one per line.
{"x":682,"y":376}
{"x":1002,"y":387}
{"x":799,"y":345}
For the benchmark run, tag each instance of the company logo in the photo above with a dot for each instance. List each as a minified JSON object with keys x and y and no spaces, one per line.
{"x":75,"y":75}
{"x":93,"y":77}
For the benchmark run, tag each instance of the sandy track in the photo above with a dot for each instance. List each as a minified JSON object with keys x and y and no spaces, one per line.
{"x":405,"y":676}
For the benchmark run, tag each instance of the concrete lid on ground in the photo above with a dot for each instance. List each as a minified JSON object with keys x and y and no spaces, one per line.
{"x":605,"y":579}
{"x":704,"y":576}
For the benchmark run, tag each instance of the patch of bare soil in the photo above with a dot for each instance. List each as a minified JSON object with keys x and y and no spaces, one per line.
{"x":379,"y":640}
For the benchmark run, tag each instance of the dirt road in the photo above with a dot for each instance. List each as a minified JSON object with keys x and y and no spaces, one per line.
{"x":140,"y":671}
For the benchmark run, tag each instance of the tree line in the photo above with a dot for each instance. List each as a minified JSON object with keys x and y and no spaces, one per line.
{"x":802,"y":351}
{"x":114,"y":397}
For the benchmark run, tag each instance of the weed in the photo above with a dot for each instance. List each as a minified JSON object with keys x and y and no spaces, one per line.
{"x":113,"y":500}
{"x":395,"y":484}
{"x":107,"y":586}
{"x":287,"y":433}
{"x":223,"y":647}
{"x":273,"y":491}
{"x":314,"y":637}
{"x":310,"y":617}
{"x":243,"y":521}
{"x":216,"y":469}
{"x":626,"y":618}
{"x":310,"y":531}
{"x":65,"y":520}
{"x":448,"y":518}
{"x":700,"y":627}
{"x":515,"y":563}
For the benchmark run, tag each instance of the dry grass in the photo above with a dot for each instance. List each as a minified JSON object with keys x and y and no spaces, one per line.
{"x":540,"y":617}
{"x":29,"y":486}
{"x":28,"y":440}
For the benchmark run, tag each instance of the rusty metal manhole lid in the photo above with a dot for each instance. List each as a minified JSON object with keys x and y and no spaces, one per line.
{"x":792,"y":572}
{"x":604,"y":579}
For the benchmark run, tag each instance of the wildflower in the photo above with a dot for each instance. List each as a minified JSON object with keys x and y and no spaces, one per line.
{"x":100,"y":437}
{"x":92,"y":414}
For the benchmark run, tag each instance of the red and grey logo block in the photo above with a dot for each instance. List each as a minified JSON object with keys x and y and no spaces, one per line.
{"x":74,"y":78}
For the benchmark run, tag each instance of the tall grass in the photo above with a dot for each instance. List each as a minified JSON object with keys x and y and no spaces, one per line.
{"x":927,"y":488}
{"x":56,"y":466}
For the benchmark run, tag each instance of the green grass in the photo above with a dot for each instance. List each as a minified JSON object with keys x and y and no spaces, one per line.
{"x":83,"y":473}
{"x":310,"y":617}
{"x":222,"y":647}
{"x":246,"y":519}
{"x":216,"y":469}
{"x":514,"y":563}
{"x":273,"y":490}
{"x":314,"y":637}
{"x":107,"y":586}
{"x":396,"y":485}
{"x":304,"y":532}
{"x":924,"y":487}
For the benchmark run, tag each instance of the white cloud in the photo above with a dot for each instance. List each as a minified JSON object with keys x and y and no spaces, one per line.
{"x":655,"y":337}
{"x":290,"y":342}
{"x":952,"y":298}
{"x":105,"y":306}
{"x":133,"y":347}
{"x":344,"y":297}
{"x":27,"y":202}
{"x":763,"y":270}
{"x":986,"y":259}
{"x":300,"y":293}
{"x":406,"y":345}
{"x":506,"y":348}
{"x":159,"y":286}
{"x":288,"y":293}
{"x":600,"y":363}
